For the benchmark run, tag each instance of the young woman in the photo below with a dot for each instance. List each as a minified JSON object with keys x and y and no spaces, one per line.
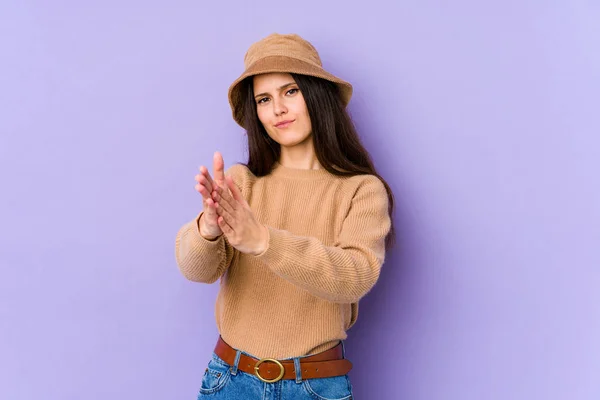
{"x":296,"y":236}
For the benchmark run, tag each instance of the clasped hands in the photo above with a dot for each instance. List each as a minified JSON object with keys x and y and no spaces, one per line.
{"x":227,"y":212}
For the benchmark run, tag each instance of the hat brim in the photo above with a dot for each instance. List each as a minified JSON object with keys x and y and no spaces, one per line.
{"x":285,"y":65}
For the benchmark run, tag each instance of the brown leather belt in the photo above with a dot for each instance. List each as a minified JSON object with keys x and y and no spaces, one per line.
{"x":322,"y":365}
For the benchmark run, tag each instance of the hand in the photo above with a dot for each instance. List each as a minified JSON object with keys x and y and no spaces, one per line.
{"x":237,"y":220}
{"x":209,"y":227}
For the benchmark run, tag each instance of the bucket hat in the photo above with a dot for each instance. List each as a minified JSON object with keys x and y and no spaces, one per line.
{"x":288,"y":53}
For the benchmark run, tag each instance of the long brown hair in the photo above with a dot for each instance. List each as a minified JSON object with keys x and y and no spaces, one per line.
{"x":335,"y":139}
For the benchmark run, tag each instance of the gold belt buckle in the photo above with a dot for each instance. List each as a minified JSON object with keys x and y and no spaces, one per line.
{"x":269,"y":380}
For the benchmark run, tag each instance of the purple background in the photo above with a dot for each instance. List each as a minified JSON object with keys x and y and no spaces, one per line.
{"x":483,"y":116}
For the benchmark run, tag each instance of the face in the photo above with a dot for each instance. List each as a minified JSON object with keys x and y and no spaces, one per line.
{"x":281,"y":109}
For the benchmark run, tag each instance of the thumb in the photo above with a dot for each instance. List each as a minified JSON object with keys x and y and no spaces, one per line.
{"x":218,"y":168}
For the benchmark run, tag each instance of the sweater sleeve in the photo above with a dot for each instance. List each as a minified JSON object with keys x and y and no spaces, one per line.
{"x":199,"y":259}
{"x":346,"y":271}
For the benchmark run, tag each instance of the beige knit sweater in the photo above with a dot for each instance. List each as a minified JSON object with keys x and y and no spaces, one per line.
{"x":326,"y":248}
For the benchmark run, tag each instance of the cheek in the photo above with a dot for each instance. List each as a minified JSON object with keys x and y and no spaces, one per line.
{"x":260,"y":112}
{"x":306,"y":119}
{"x":264,"y":118}
{"x":303,"y":110}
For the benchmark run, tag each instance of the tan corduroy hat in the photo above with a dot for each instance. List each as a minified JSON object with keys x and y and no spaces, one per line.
{"x":281,"y":53}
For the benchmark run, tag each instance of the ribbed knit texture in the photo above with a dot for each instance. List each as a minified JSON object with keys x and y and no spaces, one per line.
{"x":326,"y":248}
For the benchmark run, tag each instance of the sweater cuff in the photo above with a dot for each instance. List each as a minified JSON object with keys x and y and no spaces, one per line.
{"x":271,"y":254}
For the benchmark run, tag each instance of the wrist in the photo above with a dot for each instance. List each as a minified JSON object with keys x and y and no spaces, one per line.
{"x":263,"y":243}
{"x":206,"y":235}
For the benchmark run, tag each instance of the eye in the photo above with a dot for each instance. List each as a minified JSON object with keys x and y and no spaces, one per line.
{"x":293,"y":90}
{"x":261,"y":100}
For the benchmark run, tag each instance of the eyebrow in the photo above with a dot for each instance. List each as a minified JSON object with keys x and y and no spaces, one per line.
{"x":280,"y":88}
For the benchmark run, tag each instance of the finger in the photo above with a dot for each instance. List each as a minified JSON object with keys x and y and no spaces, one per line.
{"x":211,"y":208}
{"x":204,"y":188}
{"x":224,"y":194}
{"x":224,"y":226}
{"x":205,"y":177}
{"x":234,"y":189}
{"x":207,"y":184}
{"x":218,"y":168}
{"x":224,"y":200}
{"x":203,"y":191}
{"x":229,"y":217}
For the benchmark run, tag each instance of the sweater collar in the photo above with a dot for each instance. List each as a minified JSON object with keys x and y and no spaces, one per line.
{"x":295,"y":173}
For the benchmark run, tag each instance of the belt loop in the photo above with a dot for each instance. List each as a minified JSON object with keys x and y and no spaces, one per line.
{"x":234,"y":367}
{"x":298,"y":370}
{"x":343,"y":349}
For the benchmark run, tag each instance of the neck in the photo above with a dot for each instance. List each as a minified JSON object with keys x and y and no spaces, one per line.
{"x":301,"y":156}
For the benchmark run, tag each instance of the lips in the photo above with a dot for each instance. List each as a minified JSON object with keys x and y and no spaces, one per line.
{"x":284,"y":124}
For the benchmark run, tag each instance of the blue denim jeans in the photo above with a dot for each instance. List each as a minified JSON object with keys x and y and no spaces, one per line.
{"x":222,"y":381}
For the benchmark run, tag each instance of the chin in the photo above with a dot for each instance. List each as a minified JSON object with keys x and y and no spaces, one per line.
{"x":290,"y":139}
{"x":292,"y":143}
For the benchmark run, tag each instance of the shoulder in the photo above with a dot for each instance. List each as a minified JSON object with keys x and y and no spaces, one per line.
{"x":366,"y":184}
{"x":368,"y":195}
{"x":238,"y":171}
{"x":241,"y":175}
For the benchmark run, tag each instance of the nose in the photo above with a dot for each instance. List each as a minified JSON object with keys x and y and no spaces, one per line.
{"x":279,"y":108}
